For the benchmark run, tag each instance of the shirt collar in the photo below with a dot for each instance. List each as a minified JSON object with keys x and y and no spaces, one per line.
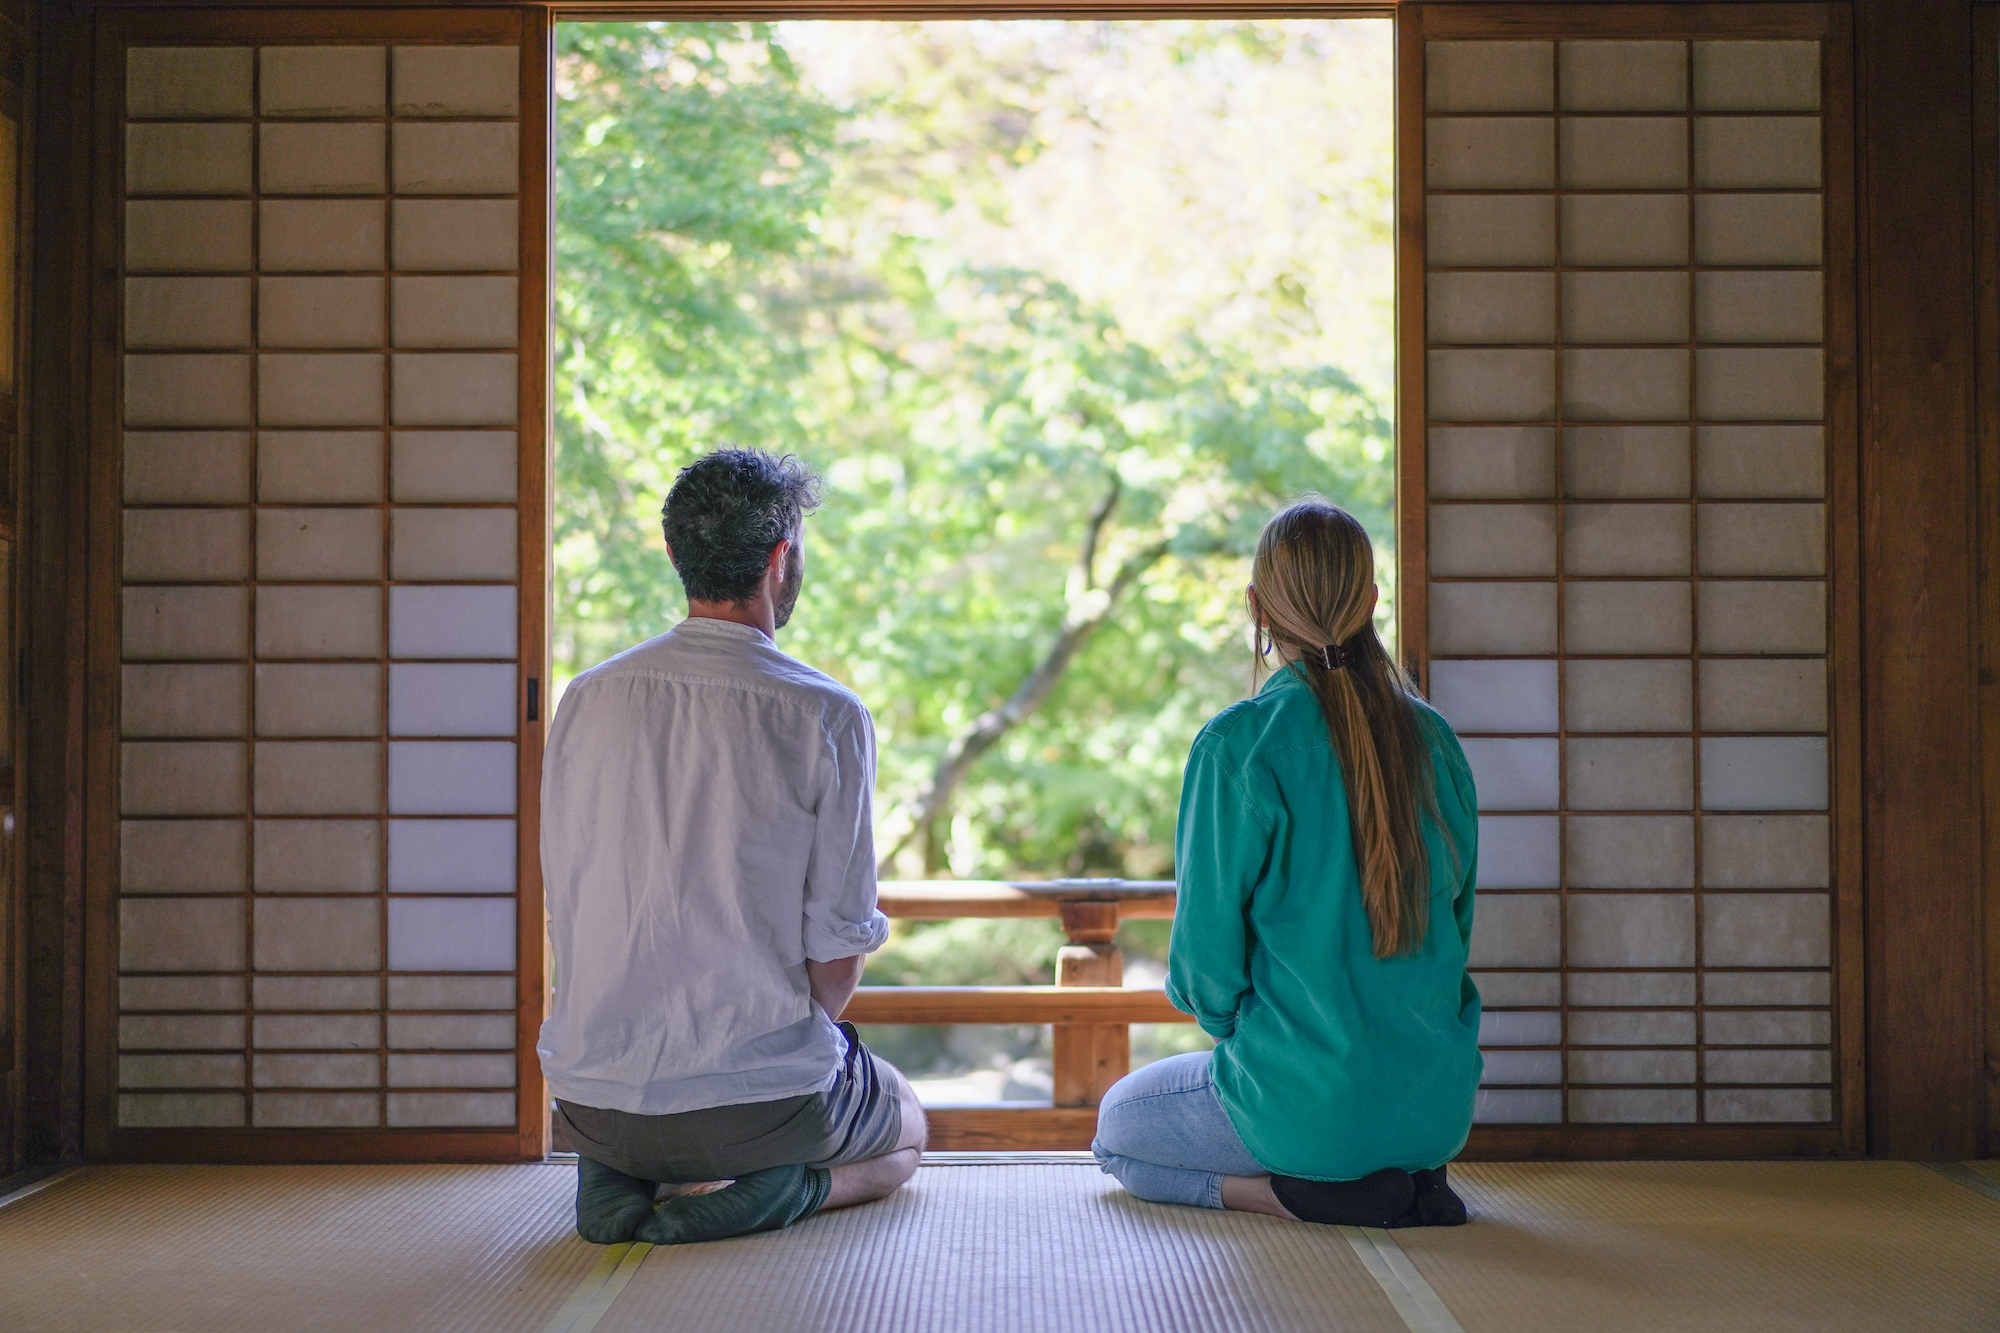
{"x":1284,"y":677}
{"x":726,"y":629}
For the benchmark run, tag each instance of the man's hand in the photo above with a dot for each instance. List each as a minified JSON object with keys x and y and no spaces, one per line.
{"x":833,"y":983}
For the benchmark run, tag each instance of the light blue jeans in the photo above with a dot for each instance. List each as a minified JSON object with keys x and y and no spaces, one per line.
{"x":1163,"y":1133}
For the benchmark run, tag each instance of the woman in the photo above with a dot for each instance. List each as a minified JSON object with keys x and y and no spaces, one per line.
{"x":1325,"y":854}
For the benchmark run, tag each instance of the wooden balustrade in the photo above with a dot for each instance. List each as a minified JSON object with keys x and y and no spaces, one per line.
{"x":1062,"y":1006}
{"x":949,"y":899}
{"x":1089,"y":1009}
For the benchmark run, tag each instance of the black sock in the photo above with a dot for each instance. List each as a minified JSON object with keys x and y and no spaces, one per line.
{"x":610,"y":1205}
{"x":1372,"y":1201}
{"x":760,"y":1201}
{"x":1437,"y":1204}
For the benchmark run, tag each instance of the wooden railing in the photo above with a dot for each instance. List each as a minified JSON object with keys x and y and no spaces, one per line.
{"x":1089,"y":1008}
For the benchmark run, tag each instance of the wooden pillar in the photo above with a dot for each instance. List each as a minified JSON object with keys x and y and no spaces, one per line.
{"x":1920,"y":738}
{"x":1090,"y":1057}
{"x":47,"y":1085}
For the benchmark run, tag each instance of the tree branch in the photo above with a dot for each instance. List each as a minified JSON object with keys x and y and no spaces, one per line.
{"x":965,"y":749}
{"x":1098,"y":517}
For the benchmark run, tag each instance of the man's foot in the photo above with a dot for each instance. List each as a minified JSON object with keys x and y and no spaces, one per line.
{"x":760,"y":1201}
{"x":1372,"y":1201}
{"x":697,"y":1187}
{"x":610,"y":1205}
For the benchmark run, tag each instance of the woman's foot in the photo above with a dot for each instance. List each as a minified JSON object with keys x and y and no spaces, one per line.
{"x":1436,"y":1204}
{"x":1376,"y":1200}
{"x":610,"y":1205}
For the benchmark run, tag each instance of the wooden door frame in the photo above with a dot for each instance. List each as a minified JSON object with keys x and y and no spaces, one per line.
{"x":1932,"y":999}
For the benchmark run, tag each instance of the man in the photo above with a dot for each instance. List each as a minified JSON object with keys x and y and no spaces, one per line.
{"x":710,"y":869}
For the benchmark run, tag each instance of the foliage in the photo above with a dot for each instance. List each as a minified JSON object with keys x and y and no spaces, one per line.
{"x":690,"y":167}
{"x":749,"y":255}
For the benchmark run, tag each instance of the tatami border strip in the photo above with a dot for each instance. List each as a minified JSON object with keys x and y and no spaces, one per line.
{"x":600,"y":1287}
{"x":36,"y":1186}
{"x":1966,"y":1176}
{"x":1421,"y":1308}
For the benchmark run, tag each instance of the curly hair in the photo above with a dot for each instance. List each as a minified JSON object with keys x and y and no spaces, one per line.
{"x":727,"y":511}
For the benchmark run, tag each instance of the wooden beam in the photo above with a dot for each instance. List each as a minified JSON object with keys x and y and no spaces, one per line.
{"x":1010,"y":1004}
{"x":1919,"y":694}
{"x":948,"y":900}
{"x":1011,"y":1128}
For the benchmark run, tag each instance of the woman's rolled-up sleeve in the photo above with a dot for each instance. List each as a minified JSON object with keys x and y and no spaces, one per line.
{"x":1221,"y":845}
{"x":841,"y":917}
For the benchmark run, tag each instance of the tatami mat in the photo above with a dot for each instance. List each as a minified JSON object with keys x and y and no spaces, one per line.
{"x":1602,"y":1247}
{"x":360,"y":1249}
{"x":1012,"y":1249}
{"x":1670,"y":1246}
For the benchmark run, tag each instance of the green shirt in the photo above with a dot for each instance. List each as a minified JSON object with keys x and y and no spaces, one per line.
{"x":1331,"y":1062}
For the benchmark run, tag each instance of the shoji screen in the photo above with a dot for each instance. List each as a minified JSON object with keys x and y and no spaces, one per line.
{"x":321,"y":594}
{"x":1627,"y":502}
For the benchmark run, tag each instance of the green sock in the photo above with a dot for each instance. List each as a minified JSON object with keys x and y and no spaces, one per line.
{"x":760,"y":1201}
{"x":610,"y":1205}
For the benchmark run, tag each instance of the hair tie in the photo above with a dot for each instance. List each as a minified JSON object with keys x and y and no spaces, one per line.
{"x":1334,"y":656}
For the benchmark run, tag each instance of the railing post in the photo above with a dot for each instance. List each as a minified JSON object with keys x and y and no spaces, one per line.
{"x":1089,"y":1057}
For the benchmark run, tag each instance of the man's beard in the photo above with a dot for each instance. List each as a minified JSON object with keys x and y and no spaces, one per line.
{"x":788,"y":591}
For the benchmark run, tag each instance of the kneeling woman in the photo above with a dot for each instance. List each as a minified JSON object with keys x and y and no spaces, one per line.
{"x":1325,"y":856}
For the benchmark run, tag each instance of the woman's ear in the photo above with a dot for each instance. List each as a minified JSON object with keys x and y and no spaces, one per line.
{"x":1374,"y":596}
{"x":1256,"y":611}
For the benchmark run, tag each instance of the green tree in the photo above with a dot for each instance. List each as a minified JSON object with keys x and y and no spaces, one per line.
{"x":1047,"y":483}
{"x":1031,"y":559}
{"x":691,"y":169}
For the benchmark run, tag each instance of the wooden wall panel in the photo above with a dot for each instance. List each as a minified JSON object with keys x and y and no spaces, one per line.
{"x":1920,"y":756}
{"x":1986,"y":271}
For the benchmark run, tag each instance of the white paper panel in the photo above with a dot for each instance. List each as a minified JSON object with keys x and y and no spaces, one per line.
{"x":453,"y":620}
{"x":1513,"y":774}
{"x":428,"y":699}
{"x":451,"y":777}
{"x":1519,"y":852}
{"x":451,"y":855}
{"x":451,"y":934}
{"x":1500,"y":696}
{"x":1763,"y":773}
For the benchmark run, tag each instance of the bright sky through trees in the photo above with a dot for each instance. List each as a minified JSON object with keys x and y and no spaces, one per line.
{"x":1061,"y":309}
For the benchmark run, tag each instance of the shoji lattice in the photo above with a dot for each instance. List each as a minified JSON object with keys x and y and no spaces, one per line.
{"x":321,"y":692}
{"x":1628,"y":555}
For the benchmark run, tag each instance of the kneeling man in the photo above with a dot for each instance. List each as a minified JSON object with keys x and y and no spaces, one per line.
{"x":710,"y":871}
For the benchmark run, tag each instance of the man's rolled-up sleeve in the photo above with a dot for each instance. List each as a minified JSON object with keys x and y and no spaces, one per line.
{"x":841,"y":917}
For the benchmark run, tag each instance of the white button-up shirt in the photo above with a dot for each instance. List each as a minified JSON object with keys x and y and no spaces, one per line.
{"x":706,"y":808}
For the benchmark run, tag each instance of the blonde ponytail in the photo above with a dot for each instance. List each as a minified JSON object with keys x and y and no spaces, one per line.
{"x":1313,"y":579}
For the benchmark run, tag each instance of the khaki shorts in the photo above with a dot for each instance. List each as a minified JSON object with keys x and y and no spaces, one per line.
{"x":859,"y":1117}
